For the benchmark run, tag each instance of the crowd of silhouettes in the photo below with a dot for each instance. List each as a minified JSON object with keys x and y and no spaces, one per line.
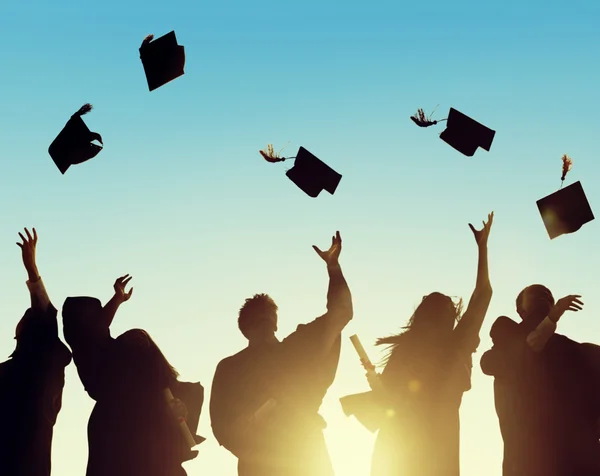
{"x":265,"y":400}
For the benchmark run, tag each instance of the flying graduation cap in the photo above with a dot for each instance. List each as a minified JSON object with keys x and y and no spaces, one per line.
{"x":163,"y":59}
{"x":74,"y":143}
{"x":566,"y":210}
{"x":462,"y":133}
{"x":309,"y":173}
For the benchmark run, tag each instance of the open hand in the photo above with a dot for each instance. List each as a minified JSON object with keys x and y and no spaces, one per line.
{"x":28,"y":252}
{"x":332,"y":255}
{"x":119,"y":287}
{"x":568,"y":303}
{"x":481,"y":236}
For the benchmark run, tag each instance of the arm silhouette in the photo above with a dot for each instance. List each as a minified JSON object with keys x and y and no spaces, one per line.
{"x":339,"y":299}
{"x":538,"y":338}
{"x":120,"y":296}
{"x":37,"y":291}
{"x":472,"y":320}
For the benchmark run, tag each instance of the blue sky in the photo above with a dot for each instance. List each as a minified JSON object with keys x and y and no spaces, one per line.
{"x":181,"y":199}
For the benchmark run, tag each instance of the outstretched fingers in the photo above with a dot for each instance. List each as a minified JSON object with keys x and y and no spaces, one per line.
{"x":575,"y":304}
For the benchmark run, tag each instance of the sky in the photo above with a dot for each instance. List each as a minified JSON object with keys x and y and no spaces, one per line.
{"x":180,"y":198}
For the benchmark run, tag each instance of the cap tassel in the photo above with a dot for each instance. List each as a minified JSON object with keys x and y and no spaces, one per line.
{"x":84,"y":110}
{"x":147,"y":40}
{"x":271,"y":156}
{"x":421,"y":120}
{"x":566,"y":166}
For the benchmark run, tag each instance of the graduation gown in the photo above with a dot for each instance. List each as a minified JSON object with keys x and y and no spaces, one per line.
{"x":420,"y":433}
{"x":297,"y":375}
{"x":131,"y":430}
{"x":31,"y":384}
{"x":547,"y":403}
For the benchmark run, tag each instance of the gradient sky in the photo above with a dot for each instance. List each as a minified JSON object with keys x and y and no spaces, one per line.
{"x":181,"y":199}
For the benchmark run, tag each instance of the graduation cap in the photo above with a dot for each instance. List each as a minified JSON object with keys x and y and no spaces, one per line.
{"x":163,"y":59}
{"x":566,"y":210}
{"x":462,"y":133}
{"x":309,"y":173}
{"x":74,"y":143}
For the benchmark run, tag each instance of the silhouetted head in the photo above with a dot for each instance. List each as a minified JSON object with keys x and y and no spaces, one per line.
{"x":437,"y":314}
{"x":258,"y":318}
{"x":534,"y":304}
{"x":27,"y":334}
{"x":143,"y":362}
{"x":433,"y":321}
{"x":81,"y":315}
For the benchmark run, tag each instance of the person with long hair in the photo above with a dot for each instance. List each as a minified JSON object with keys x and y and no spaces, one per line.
{"x":131,"y":431}
{"x":32,"y":380}
{"x":546,"y":390}
{"x":427,"y":370}
{"x":265,"y":399}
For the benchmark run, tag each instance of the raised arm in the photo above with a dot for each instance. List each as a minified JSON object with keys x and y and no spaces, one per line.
{"x":471,"y":321}
{"x":339,"y":298}
{"x":37,"y":291}
{"x":120,"y":296}
{"x":538,"y":338}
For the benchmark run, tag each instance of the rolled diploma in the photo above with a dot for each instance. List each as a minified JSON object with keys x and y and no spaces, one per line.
{"x":360,"y":350}
{"x":185,"y":431}
{"x":265,"y":409}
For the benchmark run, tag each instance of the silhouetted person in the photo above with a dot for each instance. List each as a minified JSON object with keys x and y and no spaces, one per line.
{"x":131,"y":431}
{"x":32,"y":380}
{"x":286,"y":380}
{"x":420,"y":390}
{"x":546,"y":390}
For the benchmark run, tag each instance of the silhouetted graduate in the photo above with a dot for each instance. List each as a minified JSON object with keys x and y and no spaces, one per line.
{"x":462,"y":133}
{"x":309,"y":173}
{"x":265,"y":399}
{"x":74,"y":144}
{"x":566,"y":210}
{"x":163,"y":59}
{"x":418,"y":395}
{"x":32,"y":380}
{"x":132,"y":430}
{"x":546,"y":389}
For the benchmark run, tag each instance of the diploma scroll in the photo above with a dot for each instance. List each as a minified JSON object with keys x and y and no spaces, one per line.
{"x":372,"y":376}
{"x":185,"y":431}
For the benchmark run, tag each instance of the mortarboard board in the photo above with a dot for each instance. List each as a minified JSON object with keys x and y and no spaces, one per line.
{"x":163,"y":59}
{"x":74,"y":143}
{"x":466,"y":134}
{"x":462,"y":133}
{"x":566,"y":210}
{"x":309,"y":173}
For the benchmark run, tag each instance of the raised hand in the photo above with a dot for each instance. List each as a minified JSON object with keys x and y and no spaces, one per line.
{"x":481,"y":236}
{"x":28,"y":253}
{"x":568,"y":303}
{"x":119,"y":287}
{"x":332,"y":255}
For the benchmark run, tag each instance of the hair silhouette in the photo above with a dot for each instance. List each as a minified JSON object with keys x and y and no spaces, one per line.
{"x":434,"y":307}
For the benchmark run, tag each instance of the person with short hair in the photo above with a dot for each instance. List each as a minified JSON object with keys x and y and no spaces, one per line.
{"x":265,"y":399}
{"x":546,"y":390}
